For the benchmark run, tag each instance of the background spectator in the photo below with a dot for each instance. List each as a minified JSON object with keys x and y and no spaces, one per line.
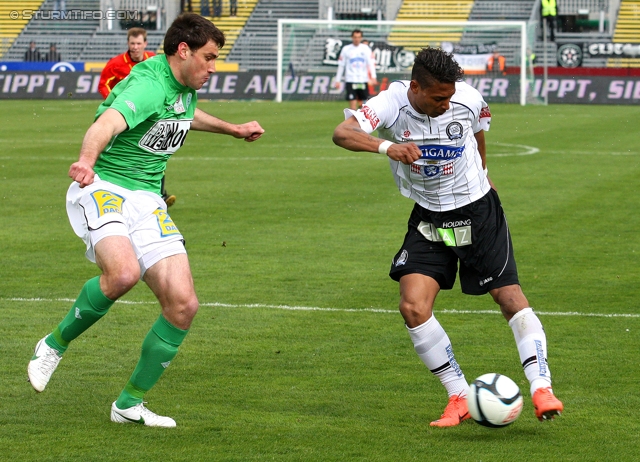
{"x":217,"y":8}
{"x":549,"y":13}
{"x":185,"y":6}
{"x":53,"y":55}
{"x":60,"y":5}
{"x":496,"y":63}
{"x":32,"y":54}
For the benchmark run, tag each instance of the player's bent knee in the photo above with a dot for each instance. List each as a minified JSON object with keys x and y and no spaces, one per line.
{"x":191,"y":308}
{"x":188,"y":309}
{"x":181,"y":315}
{"x":414,"y":314}
{"x":511,"y":299}
{"x":118,"y":284}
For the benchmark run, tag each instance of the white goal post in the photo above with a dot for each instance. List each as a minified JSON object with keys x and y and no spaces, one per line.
{"x":311,"y":46}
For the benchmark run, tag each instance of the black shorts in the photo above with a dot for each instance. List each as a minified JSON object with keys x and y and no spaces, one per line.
{"x":357,"y":91}
{"x":476,"y":235}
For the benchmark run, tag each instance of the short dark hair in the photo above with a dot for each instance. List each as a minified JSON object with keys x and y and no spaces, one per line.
{"x":194,"y":30}
{"x":433,"y":65}
{"x":137,"y":32}
{"x":356,"y":31}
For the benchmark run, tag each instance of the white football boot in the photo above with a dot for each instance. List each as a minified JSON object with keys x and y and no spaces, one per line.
{"x":42,"y":365}
{"x":140,"y":415}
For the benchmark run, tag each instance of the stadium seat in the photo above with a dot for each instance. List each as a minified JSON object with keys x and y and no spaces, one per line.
{"x":627,"y":31}
{"x":71,"y":37}
{"x":499,"y":10}
{"x":11,"y":28}
{"x":255,"y":46}
{"x":438,"y":10}
{"x":231,"y":25}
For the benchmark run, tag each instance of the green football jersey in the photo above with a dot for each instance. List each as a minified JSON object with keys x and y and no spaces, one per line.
{"x":158,"y":110}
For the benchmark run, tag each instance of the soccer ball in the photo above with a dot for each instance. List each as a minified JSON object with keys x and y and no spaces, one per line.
{"x":494,"y":400}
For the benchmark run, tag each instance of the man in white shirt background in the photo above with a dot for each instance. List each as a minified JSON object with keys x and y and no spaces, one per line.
{"x":358,"y":66}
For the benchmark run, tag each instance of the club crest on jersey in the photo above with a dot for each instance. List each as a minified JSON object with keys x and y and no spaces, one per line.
{"x":454,"y":131}
{"x":178,"y":106}
{"x":431,"y":171}
{"x":107,"y":202}
{"x":167,"y":226}
{"x":165,"y":136}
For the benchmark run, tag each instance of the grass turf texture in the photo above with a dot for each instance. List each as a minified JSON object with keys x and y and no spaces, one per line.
{"x":308,"y":224}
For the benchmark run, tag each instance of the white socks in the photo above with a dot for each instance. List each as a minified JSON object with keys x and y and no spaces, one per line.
{"x":434,"y":349}
{"x":433,"y":346}
{"x":532,"y":346}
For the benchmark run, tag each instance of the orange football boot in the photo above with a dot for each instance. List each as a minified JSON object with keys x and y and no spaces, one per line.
{"x":547,"y":406}
{"x":455,"y":412}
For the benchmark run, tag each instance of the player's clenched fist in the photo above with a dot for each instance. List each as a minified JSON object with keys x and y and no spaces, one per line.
{"x":251,"y":131}
{"x":407,"y":153}
{"x":82,"y":173}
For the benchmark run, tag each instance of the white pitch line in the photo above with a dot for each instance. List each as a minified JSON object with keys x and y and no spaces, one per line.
{"x":283,"y":158}
{"x":515,"y":151}
{"x":592,"y":153}
{"x":524,"y":150}
{"x":341,"y":310}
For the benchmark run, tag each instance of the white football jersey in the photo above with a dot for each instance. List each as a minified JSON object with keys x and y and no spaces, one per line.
{"x":449,"y":174}
{"x":357,"y":63}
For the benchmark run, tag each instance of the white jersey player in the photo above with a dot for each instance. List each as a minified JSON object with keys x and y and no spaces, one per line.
{"x":432,"y":130}
{"x":357,"y":64}
{"x":449,"y":172}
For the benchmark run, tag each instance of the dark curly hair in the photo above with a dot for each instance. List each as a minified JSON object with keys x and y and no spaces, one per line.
{"x":432,"y":65}
{"x":194,"y":30}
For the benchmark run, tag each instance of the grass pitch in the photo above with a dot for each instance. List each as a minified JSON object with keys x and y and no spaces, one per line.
{"x":298,"y":352}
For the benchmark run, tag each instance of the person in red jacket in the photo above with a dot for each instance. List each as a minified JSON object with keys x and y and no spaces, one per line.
{"x":119,"y":67}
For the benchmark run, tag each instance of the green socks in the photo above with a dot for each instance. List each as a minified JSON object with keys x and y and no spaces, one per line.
{"x":158,"y":349}
{"x":89,"y":307}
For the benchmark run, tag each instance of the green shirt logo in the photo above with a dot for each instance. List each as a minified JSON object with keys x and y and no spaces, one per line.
{"x":166,"y":136}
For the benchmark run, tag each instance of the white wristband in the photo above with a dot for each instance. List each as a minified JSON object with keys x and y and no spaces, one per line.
{"x":486,"y":172}
{"x":382,"y":148}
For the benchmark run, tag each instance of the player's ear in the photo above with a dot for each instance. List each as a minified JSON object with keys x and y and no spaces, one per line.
{"x":183,"y":50}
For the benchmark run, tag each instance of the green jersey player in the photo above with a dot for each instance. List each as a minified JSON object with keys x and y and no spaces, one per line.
{"x":114,"y":205}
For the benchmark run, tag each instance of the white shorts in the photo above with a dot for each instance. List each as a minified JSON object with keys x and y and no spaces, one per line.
{"x":104,"y":209}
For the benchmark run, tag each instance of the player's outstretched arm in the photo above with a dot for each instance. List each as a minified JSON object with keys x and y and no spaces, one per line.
{"x":249,"y":131}
{"x":108,"y":125}
{"x":351,"y":136}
